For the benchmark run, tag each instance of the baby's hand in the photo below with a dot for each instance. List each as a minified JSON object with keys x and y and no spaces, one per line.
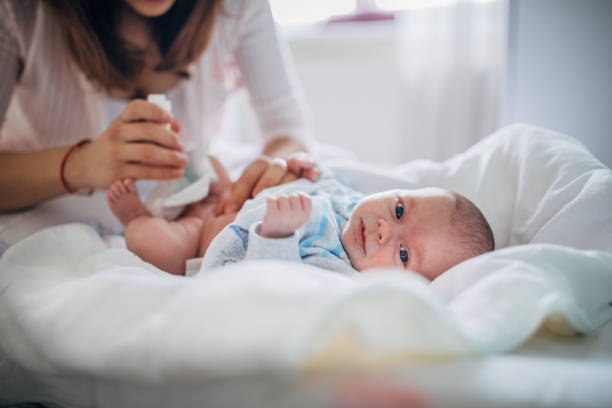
{"x":285,"y":214}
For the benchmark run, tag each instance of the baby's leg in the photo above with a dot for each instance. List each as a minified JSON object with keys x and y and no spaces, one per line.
{"x":212,"y":223}
{"x":165,"y":244}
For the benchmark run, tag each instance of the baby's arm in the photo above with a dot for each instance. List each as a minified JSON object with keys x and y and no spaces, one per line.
{"x":285,"y":214}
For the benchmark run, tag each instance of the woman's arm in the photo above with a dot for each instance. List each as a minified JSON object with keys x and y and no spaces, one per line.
{"x":136,"y":145}
{"x":283,"y":147}
{"x":25,"y":178}
{"x":268,"y":73}
{"x":29,"y":178}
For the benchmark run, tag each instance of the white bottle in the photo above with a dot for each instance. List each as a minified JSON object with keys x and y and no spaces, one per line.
{"x":161,"y":101}
{"x":169,"y":197}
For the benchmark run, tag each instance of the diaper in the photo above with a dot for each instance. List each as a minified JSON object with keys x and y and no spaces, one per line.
{"x":193,"y":266}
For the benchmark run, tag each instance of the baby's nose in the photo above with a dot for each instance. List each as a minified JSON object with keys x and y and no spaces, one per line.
{"x":383,"y":231}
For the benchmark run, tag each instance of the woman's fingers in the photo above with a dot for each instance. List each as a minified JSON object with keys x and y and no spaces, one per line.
{"x":144,"y":172}
{"x":263,"y":173}
{"x":296,"y":165}
{"x":222,"y":186}
{"x":141,"y":143}
{"x":222,"y":204}
{"x":140,"y":110}
{"x":222,"y":174}
{"x":243,"y":187}
{"x":150,"y":132}
{"x":311,"y":174}
{"x":302,"y":165}
{"x":288,"y":177}
{"x":272,"y":176}
{"x":151,"y":155}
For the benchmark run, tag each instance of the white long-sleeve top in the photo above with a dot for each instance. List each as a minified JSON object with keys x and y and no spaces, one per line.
{"x":46,"y":101}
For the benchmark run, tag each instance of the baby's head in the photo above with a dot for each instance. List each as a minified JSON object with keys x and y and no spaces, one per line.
{"x":426,"y":230}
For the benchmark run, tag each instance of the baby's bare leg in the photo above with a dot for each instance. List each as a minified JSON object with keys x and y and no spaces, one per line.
{"x":164,"y":244}
{"x":212,"y":227}
{"x":168,"y":244}
{"x":212,"y":223}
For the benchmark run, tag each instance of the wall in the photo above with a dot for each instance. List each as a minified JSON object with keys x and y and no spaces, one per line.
{"x":423,"y":86}
{"x":350,"y":77}
{"x":560,"y":69}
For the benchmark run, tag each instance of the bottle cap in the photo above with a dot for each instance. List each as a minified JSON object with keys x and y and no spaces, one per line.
{"x":161,"y":101}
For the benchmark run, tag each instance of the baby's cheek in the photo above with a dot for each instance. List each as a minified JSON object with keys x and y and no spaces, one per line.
{"x":380,"y":259}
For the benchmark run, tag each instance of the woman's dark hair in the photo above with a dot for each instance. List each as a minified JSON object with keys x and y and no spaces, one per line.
{"x":91,"y":32}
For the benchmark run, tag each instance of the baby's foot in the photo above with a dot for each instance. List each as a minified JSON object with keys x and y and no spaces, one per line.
{"x":124,"y":201}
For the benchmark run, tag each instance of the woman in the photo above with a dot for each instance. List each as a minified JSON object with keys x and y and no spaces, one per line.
{"x":69,"y":64}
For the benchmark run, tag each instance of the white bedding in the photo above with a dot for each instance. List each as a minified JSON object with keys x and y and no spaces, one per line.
{"x":83,"y":324}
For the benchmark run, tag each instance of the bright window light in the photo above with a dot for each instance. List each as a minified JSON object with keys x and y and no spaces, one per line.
{"x":412,"y":4}
{"x":288,"y":12}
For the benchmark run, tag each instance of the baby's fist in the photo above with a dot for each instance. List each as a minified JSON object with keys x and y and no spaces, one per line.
{"x":285,"y":214}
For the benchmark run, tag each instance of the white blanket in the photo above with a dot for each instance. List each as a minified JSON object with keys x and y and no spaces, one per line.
{"x":70,"y":305}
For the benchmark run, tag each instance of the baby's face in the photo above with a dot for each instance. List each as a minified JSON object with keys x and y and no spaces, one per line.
{"x":409,"y":229}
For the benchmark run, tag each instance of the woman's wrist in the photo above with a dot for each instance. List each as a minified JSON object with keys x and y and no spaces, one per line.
{"x":75,"y":168}
{"x":283,"y":147}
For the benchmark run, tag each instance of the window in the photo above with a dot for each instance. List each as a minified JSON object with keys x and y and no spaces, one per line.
{"x":288,"y":12}
{"x":293,"y":12}
{"x":396,"y":5}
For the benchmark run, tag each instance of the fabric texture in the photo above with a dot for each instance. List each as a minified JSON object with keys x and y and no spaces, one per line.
{"x":317,"y":242}
{"x":245,"y":50}
{"x":76,"y":315}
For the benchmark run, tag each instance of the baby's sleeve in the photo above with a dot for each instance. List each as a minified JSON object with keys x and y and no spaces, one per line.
{"x":283,"y":249}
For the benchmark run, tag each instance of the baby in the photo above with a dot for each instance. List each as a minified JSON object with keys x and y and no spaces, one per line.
{"x":323,"y":223}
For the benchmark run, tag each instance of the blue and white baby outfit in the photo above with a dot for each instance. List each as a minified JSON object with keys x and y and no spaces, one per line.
{"x":317,"y":242}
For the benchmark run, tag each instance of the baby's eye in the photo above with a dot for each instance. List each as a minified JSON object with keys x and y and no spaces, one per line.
{"x":403,"y":255}
{"x":399,"y":210}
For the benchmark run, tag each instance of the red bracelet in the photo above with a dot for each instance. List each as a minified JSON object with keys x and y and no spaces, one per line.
{"x":63,"y":165}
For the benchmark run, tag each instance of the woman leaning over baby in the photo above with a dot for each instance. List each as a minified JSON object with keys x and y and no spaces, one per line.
{"x":75,"y":74}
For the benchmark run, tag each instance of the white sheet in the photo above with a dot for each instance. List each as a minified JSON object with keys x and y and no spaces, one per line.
{"x":73,"y":308}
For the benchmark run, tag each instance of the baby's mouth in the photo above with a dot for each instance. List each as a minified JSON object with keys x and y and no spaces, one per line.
{"x":361,"y":236}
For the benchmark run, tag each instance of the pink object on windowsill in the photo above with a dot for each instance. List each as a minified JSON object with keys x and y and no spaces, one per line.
{"x":362,"y":16}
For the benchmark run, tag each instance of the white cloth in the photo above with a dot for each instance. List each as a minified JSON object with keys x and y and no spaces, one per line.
{"x":51,"y":103}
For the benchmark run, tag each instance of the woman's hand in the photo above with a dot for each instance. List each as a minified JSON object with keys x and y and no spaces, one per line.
{"x":267,"y":172}
{"x":223,"y":185}
{"x":138,"y":145}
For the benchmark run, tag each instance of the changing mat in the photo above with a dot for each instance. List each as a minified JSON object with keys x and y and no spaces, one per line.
{"x":72,"y":306}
